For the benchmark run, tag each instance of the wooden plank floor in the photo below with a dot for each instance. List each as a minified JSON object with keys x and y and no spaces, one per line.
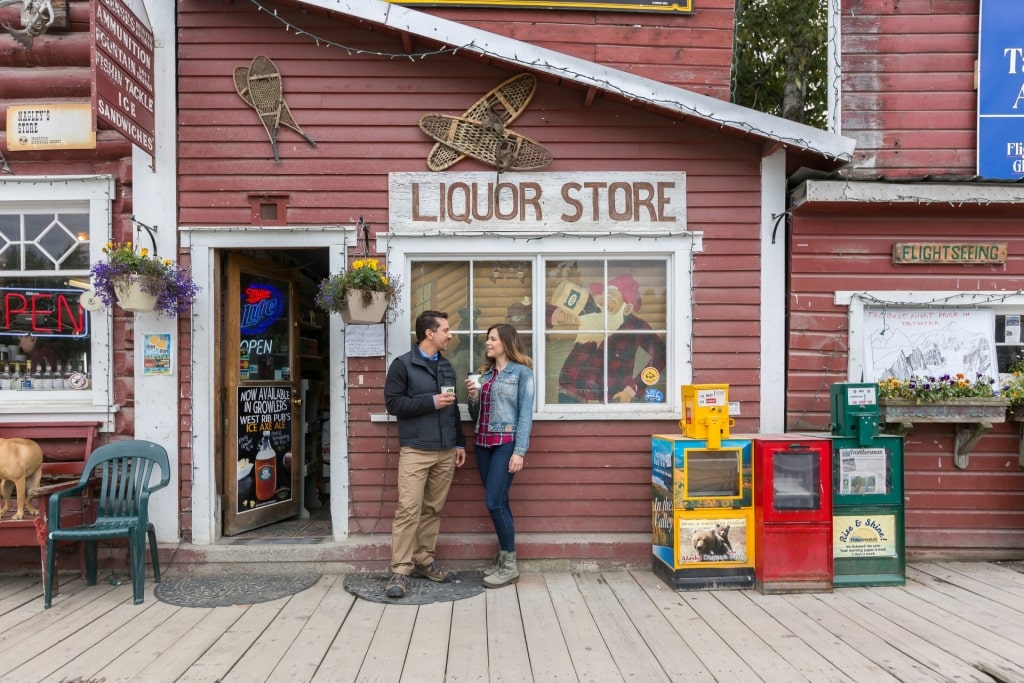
{"x":953,"y":621}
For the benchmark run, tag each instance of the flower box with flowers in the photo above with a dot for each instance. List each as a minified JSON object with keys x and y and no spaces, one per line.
{"x":949,"y":398}
{"x":362,"y":295}
{"x":973,"y":405}
{"x":139,"y":282}
{"x":1013,"y":391}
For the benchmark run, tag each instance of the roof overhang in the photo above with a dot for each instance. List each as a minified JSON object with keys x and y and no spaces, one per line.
{"x":818,"y":148}
{"x":835,"y":192}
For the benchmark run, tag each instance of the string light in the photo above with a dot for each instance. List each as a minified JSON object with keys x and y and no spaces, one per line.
{"x":563,"y":71}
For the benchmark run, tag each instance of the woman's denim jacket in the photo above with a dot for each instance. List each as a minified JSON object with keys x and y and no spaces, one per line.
{"x":511,"y":404}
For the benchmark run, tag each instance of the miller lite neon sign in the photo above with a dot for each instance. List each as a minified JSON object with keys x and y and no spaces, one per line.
{"x":262,"y":304}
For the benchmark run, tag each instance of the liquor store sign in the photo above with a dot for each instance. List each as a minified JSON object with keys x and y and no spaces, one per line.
{"x":122,"y":72}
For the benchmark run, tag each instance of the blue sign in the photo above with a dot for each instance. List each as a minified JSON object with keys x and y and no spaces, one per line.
{"x":1001,"y":90}
{"x":262,"y":305}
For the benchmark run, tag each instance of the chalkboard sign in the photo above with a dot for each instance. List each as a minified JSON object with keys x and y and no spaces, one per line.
{"x":264,"y":446}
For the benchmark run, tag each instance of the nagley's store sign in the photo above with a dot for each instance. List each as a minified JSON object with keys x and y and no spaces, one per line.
{"x":635,"y":201}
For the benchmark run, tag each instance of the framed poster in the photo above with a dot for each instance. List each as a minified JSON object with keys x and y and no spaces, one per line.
{"x":931,"y":342}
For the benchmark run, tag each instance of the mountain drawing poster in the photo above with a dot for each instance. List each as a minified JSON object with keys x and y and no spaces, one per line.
{"x":929,"y":342}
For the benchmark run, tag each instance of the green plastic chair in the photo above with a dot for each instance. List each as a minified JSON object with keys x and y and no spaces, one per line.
{"x":125,"y":469}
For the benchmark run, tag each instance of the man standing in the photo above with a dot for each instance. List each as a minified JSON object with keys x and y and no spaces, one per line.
{"x":420,"y":392}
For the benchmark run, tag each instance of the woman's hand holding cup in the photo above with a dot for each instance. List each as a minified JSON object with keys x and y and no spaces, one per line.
{"x":473,"y":385}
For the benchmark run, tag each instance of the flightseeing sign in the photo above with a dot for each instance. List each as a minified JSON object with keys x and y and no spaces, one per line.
{"x":122,"y":72}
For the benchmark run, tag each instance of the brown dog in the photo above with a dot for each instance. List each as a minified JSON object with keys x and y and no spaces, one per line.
{"x":21,"y":460}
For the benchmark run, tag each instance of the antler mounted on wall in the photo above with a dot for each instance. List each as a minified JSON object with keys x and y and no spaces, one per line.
{"x":36,"y":17}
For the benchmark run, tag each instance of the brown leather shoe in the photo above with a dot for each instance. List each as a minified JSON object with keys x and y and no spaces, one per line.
{"x":435,"y":572}
{"x":397,"y":585}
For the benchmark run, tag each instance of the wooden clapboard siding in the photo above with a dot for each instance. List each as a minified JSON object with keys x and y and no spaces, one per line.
{"x":582,"y":476}
{"x":970,"y":511}
{"x":908,"y":93}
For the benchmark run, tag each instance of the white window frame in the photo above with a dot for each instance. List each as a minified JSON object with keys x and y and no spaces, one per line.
{"x":85,"y":194}
{"x":1000,"y":302}
{"x":401,"y":250}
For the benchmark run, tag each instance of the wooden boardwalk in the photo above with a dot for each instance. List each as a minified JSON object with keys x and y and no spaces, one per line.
{"x":953,"y":621}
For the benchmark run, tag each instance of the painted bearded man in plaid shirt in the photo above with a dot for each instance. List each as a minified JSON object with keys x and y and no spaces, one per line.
{"x":582,"y":377}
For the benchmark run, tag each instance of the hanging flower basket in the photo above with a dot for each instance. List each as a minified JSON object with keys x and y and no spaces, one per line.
{"x":130,"y":297}
{"x":358,"y":312}
{"x":126,"y":273}
{"x":362,"y":295}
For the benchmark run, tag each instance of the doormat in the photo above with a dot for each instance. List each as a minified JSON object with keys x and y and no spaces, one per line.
{"x":421,"y":591}
{"x":224,"y":591}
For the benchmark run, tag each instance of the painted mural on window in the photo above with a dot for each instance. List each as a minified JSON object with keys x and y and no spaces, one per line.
{"x":596,"y":328}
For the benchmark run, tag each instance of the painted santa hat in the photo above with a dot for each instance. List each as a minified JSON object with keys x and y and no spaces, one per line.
{"x":627,"y":286}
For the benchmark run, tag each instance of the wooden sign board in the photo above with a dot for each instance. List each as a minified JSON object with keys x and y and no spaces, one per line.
{"x":62,"y":125}
{"x":926,"y":253}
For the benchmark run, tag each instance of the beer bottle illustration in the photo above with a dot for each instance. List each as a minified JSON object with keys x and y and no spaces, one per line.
{"x":266,"y":469}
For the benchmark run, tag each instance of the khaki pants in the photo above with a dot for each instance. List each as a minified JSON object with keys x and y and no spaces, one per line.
{"x":424,"y":478}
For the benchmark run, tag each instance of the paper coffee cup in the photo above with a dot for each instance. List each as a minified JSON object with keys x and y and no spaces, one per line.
{"x":475,"y":377}
{"x":448,"y":389}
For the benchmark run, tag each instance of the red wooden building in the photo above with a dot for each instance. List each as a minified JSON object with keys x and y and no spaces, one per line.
{"x":654,"y":177}
{"x":631,"y":106}
{"x":908,"y":95}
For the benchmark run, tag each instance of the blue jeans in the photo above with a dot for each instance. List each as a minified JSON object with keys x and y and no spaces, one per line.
{"x":492,"y":462}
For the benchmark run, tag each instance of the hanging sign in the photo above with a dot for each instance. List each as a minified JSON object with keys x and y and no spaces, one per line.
{"x":122,"y":72}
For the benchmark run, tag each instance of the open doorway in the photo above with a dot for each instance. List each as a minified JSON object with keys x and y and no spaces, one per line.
{"x":273,"y":365}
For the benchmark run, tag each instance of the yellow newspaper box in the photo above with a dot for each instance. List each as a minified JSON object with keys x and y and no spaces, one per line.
{"x":706,"y":413}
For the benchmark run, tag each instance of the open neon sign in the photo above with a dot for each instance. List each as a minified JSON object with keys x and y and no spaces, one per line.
{"x":43,"y":312}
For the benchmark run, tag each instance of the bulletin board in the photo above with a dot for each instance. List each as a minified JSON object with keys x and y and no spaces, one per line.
{"x":931,"y":342}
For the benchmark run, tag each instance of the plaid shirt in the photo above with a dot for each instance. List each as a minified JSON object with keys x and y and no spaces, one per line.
{"x":582,"y":374}
{"x":484,"y":437}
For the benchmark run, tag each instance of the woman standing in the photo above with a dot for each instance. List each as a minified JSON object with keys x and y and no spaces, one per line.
{"x":502,"y":407}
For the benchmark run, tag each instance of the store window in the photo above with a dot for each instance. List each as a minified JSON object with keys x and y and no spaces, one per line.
{"x":45,"y":332}
{"x":600,"y":330}
{"x":1009,"y":344}
{"x":49,"y":229}
{"x":901,"y":334}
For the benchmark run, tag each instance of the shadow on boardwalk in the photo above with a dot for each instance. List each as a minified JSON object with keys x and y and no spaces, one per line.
{"x":953,"y":621}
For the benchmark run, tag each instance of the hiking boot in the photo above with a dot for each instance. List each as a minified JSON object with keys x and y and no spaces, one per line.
{"x":494,"y":565}
{"x":435,"y":572}
{"x":397,"y":585}
{"x":507,"y":572}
